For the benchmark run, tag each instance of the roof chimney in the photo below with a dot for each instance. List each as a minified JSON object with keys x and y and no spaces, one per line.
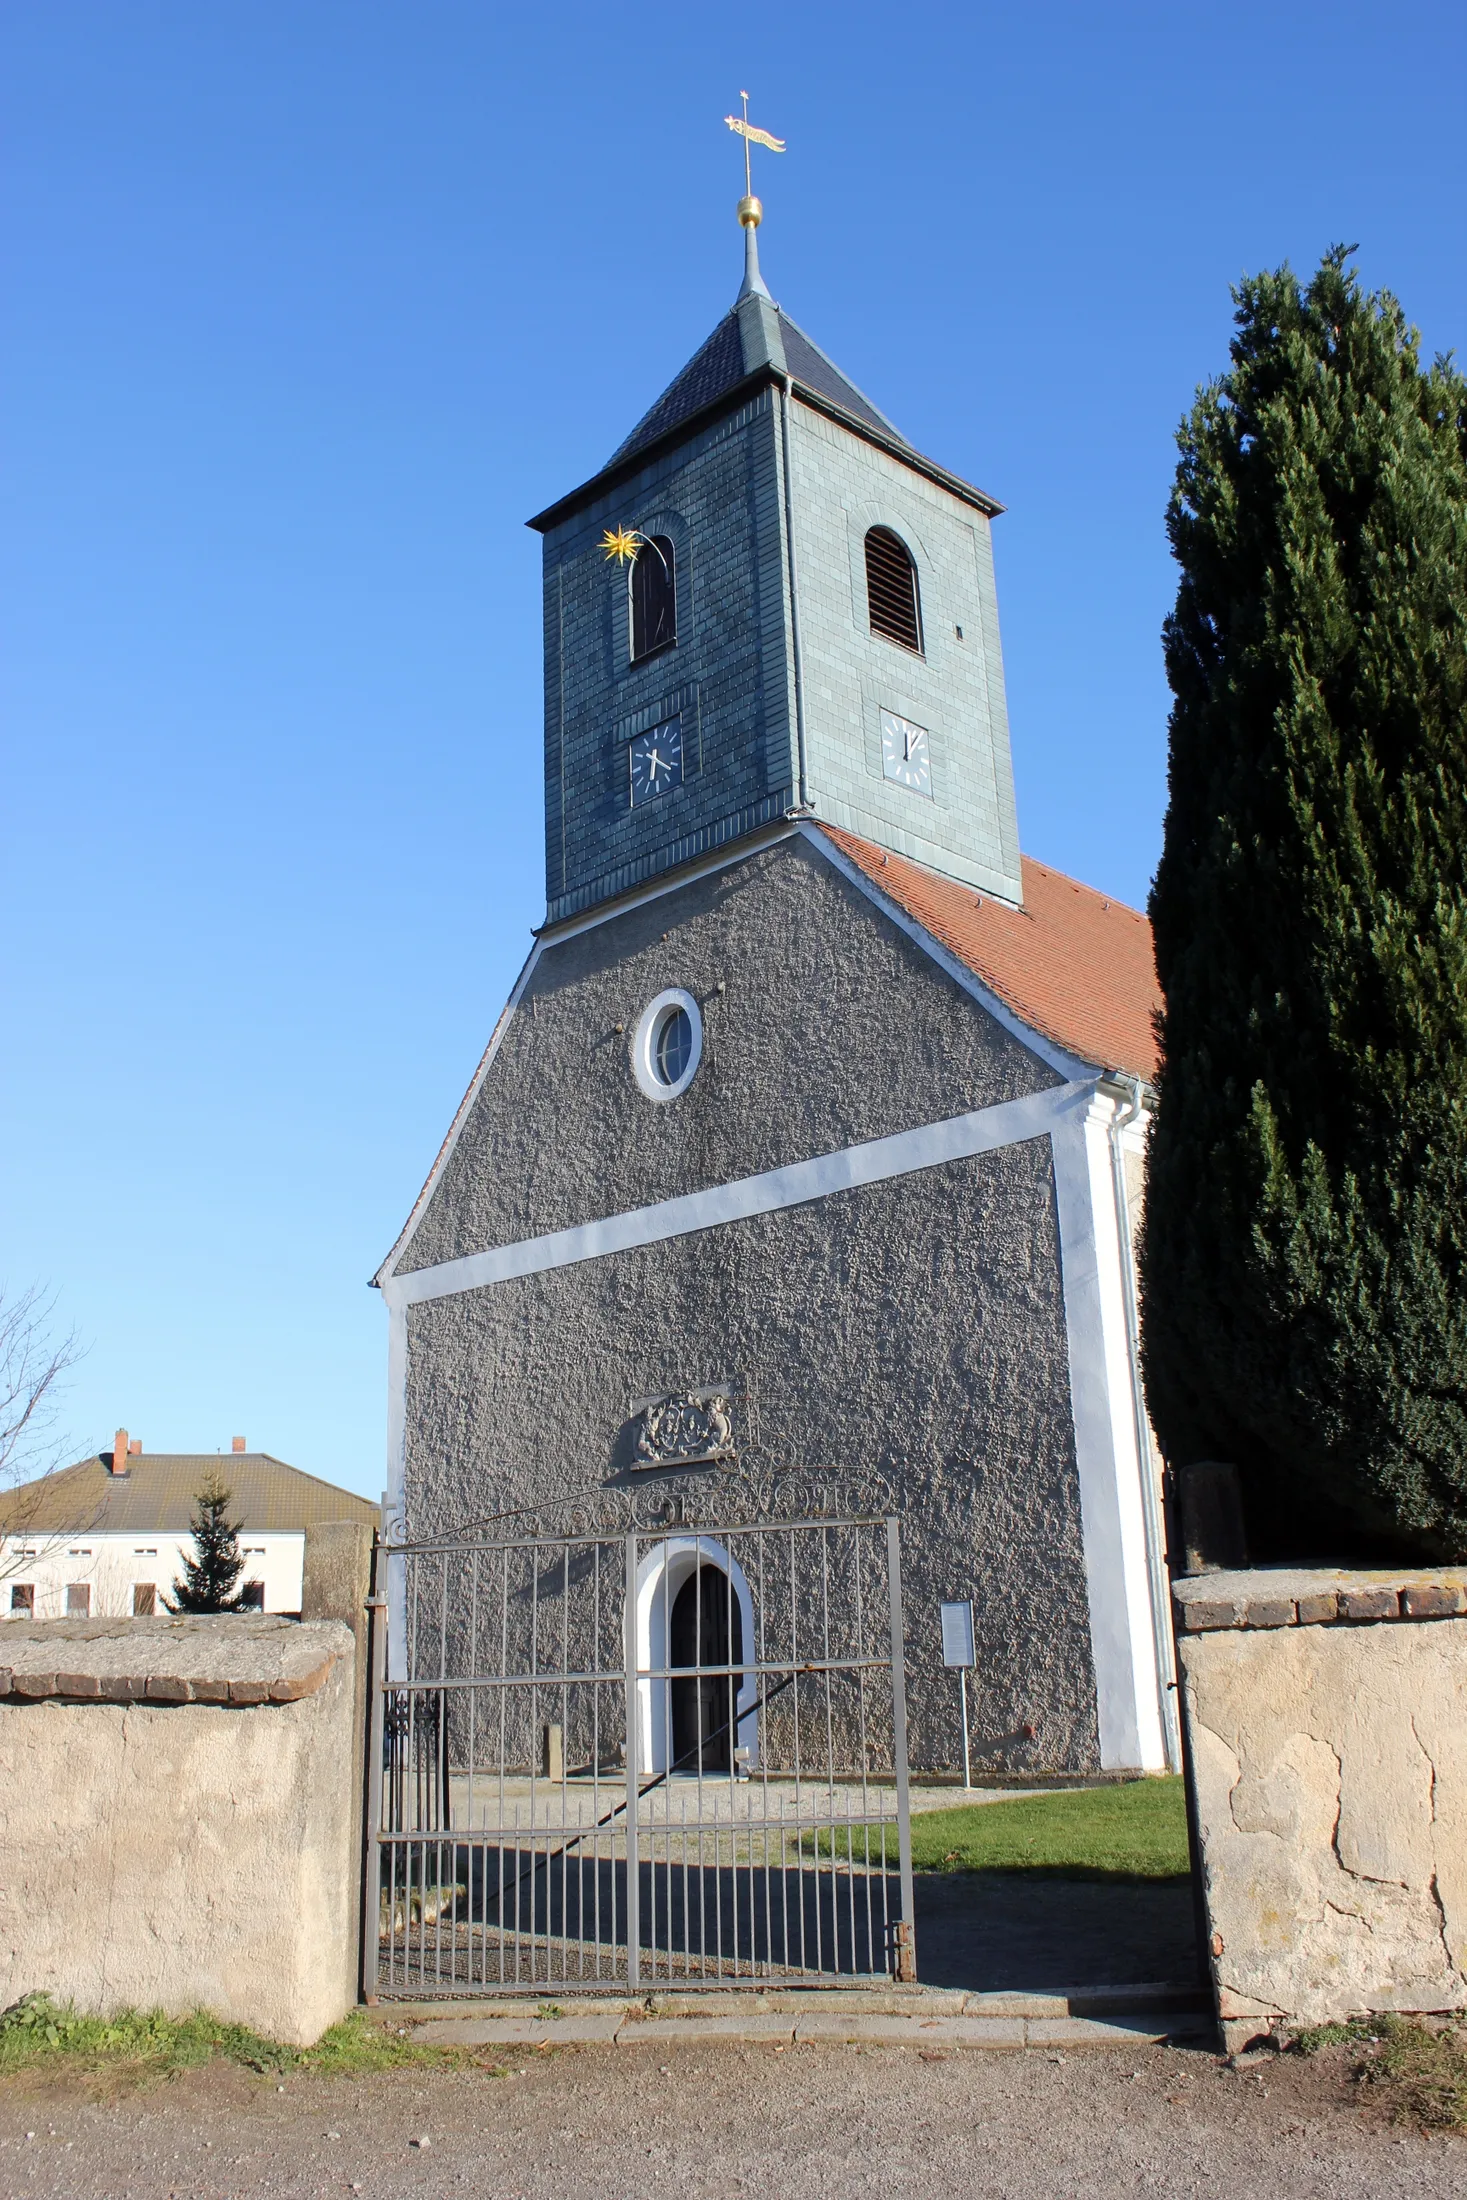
{"x":119,"y":1452}
{"x":236,"y":1443}
{"x":134,"y":1447}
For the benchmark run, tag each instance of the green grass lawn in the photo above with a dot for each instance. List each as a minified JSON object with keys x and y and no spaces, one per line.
{"x":41,"y":2033}
{"x":1136,"y":1829}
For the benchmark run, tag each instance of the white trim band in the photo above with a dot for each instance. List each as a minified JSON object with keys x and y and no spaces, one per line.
{"x":957,"y":1139}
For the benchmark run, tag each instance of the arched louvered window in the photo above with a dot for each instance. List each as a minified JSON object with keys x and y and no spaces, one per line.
{"x":891,"y":589}
{"x":654,"y":597}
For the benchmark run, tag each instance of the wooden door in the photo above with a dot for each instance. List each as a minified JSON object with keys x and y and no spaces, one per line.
{"x":706,"y":1629}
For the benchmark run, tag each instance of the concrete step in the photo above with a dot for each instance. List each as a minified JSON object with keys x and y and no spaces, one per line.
{"x":1090,"y":2001}
{"x":1082,"y":2016}
{"x":832,"y":2028}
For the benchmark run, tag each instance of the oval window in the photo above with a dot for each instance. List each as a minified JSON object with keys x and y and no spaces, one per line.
{"x":667,"y":1044}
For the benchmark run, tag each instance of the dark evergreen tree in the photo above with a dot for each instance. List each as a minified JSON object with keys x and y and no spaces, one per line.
{"x":1304,"y":1255}
{"x":209,"y":1577}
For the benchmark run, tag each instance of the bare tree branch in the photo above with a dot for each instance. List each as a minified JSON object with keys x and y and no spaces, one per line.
{"x":33,"y":1368}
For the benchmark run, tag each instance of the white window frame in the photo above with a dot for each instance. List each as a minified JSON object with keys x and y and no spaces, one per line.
{"x":647,"y":1034}
{"x":660,"y":1575}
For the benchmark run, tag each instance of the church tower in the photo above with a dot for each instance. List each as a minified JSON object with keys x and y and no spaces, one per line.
{"x":768,"y":604}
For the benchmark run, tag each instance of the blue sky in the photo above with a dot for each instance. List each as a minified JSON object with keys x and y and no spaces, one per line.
{"x":306,"y":308}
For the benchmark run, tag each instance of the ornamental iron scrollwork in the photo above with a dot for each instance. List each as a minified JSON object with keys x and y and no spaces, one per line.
{"x":771,"y":1495}
{"x":816,"y":1493}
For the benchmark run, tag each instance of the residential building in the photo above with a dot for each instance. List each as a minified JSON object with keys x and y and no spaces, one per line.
{"x":107,"y":1537}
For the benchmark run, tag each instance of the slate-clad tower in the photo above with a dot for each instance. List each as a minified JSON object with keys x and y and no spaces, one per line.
{"x":759,"y":476}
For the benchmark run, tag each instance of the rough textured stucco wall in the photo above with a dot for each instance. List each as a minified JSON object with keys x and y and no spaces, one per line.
{"x":913,"y":1330}
{"x":181,"y":1855}
{"x":1331,"y":1772}
{"x":834,"y":1027}
{"x":967,"y":826}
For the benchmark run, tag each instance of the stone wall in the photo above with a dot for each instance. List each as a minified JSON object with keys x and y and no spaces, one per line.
{"x":336,"y":1581}
{"x":175,"y":1818}
{"x":1327,"y":1721}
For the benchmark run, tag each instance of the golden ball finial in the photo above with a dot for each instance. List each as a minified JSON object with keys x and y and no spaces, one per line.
{"x":751,"y":213}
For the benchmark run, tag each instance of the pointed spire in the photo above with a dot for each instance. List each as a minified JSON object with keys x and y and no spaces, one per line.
{"x":751,"y":213}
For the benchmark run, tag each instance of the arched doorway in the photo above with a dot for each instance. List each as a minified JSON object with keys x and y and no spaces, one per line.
{"x":668,"y":1565}
{"x":705,"y":1628}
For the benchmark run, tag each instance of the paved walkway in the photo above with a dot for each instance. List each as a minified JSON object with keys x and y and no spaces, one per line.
{"x":976,"y":1933}
{"x":1009,"y":1931}
{"x":560,"y":1806}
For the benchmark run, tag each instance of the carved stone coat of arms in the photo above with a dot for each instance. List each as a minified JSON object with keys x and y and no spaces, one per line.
{"x":689,"y":1428}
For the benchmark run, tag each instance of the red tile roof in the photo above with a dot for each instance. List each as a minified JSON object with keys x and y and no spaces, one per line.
{"x":1072,"y":964}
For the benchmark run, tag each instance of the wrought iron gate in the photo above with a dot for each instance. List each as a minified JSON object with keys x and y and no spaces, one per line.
{"x":625,"y":1760}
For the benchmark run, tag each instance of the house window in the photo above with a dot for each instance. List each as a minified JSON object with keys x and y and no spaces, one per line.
{"x":144,"y":1599}
{"x":654,"y":597}
{"x":252,"y":1597}
{"x":23,"y":1598}
{"x":891,"y":590}
{"x":78,"y":1599}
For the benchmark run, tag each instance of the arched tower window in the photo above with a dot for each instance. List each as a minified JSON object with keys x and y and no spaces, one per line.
{"x":891,"y":590}
{"x":654,"y":597}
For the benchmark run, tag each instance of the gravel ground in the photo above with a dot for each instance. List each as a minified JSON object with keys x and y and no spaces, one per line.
{"x":693,"y":2119}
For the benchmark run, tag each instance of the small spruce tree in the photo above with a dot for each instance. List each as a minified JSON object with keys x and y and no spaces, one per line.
{"x":209,"y":1577}
{"x":1304,"y":1254}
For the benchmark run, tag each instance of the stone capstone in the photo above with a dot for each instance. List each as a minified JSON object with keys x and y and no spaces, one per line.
{"x":236,"y":1658}
{"x":1315,"y":1597}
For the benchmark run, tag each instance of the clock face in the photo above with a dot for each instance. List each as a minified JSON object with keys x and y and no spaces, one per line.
{"x":904,"y":756}
{"x":657,"y":761}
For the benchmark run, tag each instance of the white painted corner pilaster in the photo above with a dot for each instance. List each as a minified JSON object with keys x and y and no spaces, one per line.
{"x":1111,"y":1505}
{"x":397,"y":1375}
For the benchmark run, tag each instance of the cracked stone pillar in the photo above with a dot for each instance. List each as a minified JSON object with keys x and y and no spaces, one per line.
{"x":1327,"y":1718}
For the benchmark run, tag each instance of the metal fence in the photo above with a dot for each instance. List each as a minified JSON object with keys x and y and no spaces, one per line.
{"x":671,"y":1756}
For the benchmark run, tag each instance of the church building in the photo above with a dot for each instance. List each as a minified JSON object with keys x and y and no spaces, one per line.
{"x":801,"y":1168}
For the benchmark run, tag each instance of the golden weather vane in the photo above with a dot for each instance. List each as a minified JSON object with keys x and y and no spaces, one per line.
{"x":624,"y":544}
{"x":746,"y":130}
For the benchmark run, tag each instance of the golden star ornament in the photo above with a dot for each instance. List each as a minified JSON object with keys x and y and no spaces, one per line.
{"x":621,"y":543}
